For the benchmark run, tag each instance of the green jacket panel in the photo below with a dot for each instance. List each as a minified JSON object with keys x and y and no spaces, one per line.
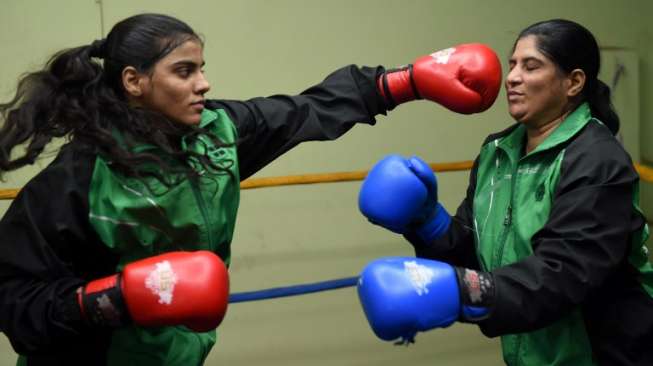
{"x":561,"y":234}
{"x":53,"y":246}
{"x":512,"y":201}
{"x":139,"y":219}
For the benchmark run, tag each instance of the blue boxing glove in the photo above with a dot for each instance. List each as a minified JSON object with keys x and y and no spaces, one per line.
{"x":401,"y":195}
{"x":403,"y":295}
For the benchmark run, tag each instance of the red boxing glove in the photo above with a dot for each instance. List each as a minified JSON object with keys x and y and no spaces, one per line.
{"x":465,"y":79}
{"x":177,"y":288}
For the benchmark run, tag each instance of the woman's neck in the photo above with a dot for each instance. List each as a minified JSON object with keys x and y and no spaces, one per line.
{"x":538,"y":132}
{"x":535,"y":135}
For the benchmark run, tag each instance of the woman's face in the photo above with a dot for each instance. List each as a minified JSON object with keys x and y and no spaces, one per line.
{"x":177,"y":85}
{"x":536,"y":87}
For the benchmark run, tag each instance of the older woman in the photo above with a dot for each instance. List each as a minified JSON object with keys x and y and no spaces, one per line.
{"x":547,"y":249}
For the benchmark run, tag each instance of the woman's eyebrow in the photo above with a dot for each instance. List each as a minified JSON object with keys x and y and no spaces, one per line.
{"x":187,"y":63}
{"x":531,"y":58}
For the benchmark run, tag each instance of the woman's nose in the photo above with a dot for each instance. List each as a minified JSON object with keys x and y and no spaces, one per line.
{"x":513,"y":76}
{"x":202,"y":85}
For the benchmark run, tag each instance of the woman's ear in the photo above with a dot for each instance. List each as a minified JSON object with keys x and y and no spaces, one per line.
{"x":133,"y":82}
{"x":576,"y":82}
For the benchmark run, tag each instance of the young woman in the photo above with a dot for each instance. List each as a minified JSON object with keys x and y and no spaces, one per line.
{"x":548,"y":246}
{"x":149,"y":183}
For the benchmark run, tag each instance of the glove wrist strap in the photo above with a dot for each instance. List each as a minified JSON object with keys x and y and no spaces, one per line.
{"x":102,"y":304}
{"x":477,"y":293}
{"x":434,"y":228}
{"x":397,"y":86}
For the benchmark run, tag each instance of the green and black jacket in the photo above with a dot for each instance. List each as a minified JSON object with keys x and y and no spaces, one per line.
{"x":561,"y":233}
{"x":79,"y":220}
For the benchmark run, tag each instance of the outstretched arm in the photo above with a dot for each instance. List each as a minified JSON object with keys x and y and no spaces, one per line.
{"x":464,"y":79}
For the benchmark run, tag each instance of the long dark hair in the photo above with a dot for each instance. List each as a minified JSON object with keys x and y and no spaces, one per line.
{"x":79,"y":94}
{"x":571,"y":46}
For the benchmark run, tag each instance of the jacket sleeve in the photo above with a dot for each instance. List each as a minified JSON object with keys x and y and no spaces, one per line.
{"x":585,"y":240}
{"x":457,"y":245}
{"x":45,"y":253}
{"x":270,"y":126}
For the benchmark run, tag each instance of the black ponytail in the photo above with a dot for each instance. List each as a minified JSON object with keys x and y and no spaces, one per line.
{"x":98,"y":48}
{"x":600,"y":102}
{"x":49,"y":103}
{"x":79,"y":95}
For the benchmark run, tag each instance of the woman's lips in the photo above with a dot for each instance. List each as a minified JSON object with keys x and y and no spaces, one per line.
{"x":513,"y":95}
{"x":198,"y":106}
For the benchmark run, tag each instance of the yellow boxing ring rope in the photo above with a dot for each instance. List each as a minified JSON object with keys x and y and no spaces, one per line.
{"x":645,"y":174}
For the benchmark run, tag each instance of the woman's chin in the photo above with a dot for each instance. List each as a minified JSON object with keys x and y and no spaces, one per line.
{"x":191,"y":121}
{"x":518,"y":115}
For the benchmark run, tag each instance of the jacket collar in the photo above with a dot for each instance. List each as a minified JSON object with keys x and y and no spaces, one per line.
{"x":207,"y":117}
{"x":513,"y":143}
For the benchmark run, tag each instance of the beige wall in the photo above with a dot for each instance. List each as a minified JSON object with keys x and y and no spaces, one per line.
{"x":302,"y":234}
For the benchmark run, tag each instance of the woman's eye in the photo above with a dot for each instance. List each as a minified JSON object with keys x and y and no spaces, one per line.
{"x":184,"y":73}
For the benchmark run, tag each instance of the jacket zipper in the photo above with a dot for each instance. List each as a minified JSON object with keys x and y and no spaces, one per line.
{"x":498,"y":254}
{"x":203,"y":212}
{"x":517,"y":346}
{"x":507,"y":222}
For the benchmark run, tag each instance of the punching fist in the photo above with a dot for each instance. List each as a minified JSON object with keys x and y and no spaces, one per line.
{"x":401,"y":195}
{"x":177,"y":288}
{"x":402,"y":296}
{"x":465,"y":79}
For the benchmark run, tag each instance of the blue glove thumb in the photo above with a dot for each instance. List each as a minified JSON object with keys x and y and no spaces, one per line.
{"x":435,"y":219}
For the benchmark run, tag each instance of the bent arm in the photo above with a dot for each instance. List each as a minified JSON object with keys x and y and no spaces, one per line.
{"x":456,"y":246}
{"x":48,"y":251}
{"x":585,"y":241}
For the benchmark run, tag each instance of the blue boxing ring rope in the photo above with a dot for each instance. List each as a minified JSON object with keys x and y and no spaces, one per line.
{"x":311,"y":179}
{"x":8,"y":194}
{"x":303,"y":289}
